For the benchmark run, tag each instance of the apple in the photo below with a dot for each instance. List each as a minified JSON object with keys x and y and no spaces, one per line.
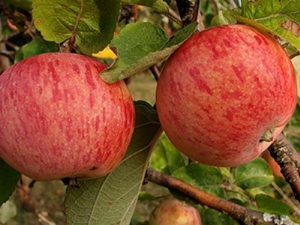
{"x":175,"y":212}
{"x":60,"y":120}
{"x":225,"y":94}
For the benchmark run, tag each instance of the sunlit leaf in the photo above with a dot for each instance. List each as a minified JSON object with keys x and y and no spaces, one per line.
{"x":166,"y":158}
{"x":256,"y":173}
{"x":282,"y":18}
{"x":268,"y":204}
{"x":206,"y":178}
{"x":146,"y":196}
{"x":36,"y":46}
{"x":7,"y":211}
{"x":112,"y":199}
{"x":158,"y":5}
{"x":225,"y":17}
{"x":91,"y":23}
{"x":210,"y":216}
{"x":141,"y":45}
{"x":106,"y":53}
{"x":8,"y":181}
{"x":137,"y":40}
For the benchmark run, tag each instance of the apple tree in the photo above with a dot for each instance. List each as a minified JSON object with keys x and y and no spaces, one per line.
{"x":221,"y":140}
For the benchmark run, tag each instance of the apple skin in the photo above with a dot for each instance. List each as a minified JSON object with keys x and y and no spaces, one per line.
{"x":175,"y":212}
{"x":222,"y":90}
{"x":60,"y":120}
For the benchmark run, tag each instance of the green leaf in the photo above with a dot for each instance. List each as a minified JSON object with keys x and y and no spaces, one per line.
{"x":206,"y":178}
{"x":92,"y":23}
{"x":112,"y":199}
{"x":210,"y":216}
{"x":256,"y":173}
{"x":147,"y":45}
{"x":36,"y":46}
{"x":166,"y":158}
{"x":282,"y":18}
{"x":158,"y":5}
{"x":268,"y":204}
{"x":8,"y":181}
{"x":8,"y":210}
{"x":145,"y":196}
{"x":292,"y":129}
{"x":139,"y":38}
{"x":225,"y":17}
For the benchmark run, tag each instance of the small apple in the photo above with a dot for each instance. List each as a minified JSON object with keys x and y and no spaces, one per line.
{"x":175,"y":212}
{"x":60,"y":120}
{"x":225,"y":94}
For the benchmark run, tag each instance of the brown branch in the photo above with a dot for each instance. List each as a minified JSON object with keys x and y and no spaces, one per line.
{"x":239,"y":213}
{"x":287,"y":158}
{"x":196,"y":10}
{"x":155,"y":72}
{"x":186,"y":10}
{"x":174,"y":17}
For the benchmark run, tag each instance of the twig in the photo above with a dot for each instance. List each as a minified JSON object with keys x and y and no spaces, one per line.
{"x":43,"y":219}
{"x":155,"y":71}
{"x":186,"y":10}
{"x":239,"y":213}
{"x":286,"y":198}
{"x":196,"y":9}
{"x":172,"y":15}
{"x":286,"y":156}
{"x":294,"y":55}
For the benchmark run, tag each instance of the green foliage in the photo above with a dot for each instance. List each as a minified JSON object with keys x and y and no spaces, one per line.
{"x":36,"y":46}
{"x":91,"y":23}
{"x":210,"y":216}
{"x":8,"y":181}
{"x":8,"y":210}
{"x":281,"y":18}
{"x":137,"y":40}
{"x":166,"y":158}
{"x":158,"y":5}
{"x":225,"y":17}
{"x":204,"y":177}
{"x":112,"y":199}
{"x":268,"y":204}
{"x":255,"y":174}
{"x":141,"y":45}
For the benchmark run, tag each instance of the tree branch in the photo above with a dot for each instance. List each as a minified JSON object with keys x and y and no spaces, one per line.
{"x":239,"y":213}
{"x":186,"y":10}
{"x":287,"y":158}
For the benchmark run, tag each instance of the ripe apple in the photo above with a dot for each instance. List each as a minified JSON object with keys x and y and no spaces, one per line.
{"x":60,"y":120}
{"x":225,"y":94}
{"x":175,"y":212}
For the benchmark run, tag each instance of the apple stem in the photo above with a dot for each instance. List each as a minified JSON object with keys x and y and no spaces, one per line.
{"x":155,"y":71}
{"x":172,"y":15}
{"x":237,"y":212}
{"x":267,"y":136}
{"x":287,"y":158}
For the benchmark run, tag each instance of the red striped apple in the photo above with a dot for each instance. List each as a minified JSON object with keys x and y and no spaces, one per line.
{"x":175,"y":212}
{"x":225,"y":94}
{"x":60,"y":120}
